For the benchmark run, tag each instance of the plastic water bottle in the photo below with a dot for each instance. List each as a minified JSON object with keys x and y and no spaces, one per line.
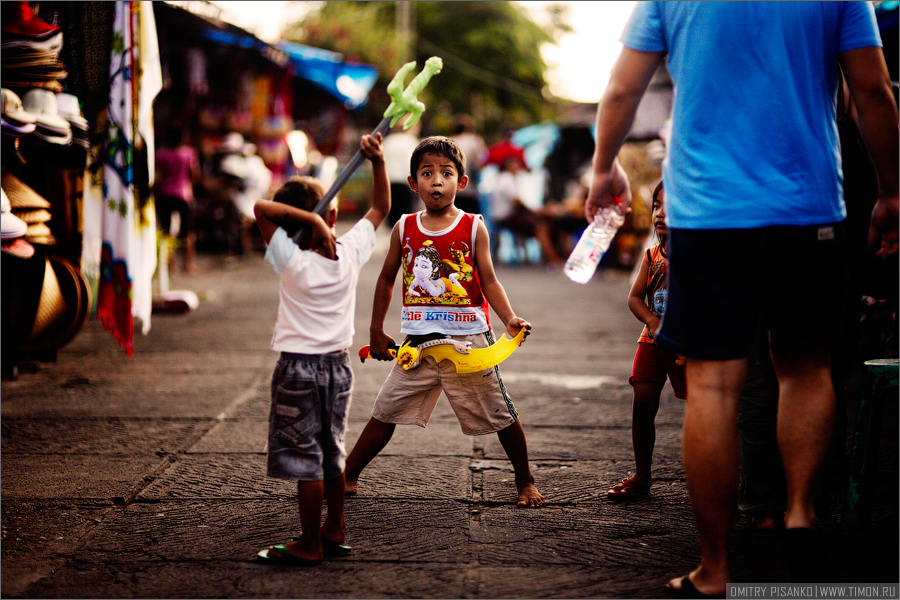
{"x":594,"y":243}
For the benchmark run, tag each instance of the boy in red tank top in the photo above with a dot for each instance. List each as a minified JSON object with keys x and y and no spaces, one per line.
{"x":448,"y":287}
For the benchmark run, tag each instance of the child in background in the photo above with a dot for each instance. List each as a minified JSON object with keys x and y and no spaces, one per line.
{"x":652,"y":363}
{"x":312,"y":382}
{"x":456,"y":307}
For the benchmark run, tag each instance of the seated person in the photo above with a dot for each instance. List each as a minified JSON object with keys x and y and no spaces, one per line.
{"x":508,"y":212}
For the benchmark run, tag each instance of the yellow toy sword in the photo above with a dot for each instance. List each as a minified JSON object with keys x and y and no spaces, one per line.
{"x":466,"y":358}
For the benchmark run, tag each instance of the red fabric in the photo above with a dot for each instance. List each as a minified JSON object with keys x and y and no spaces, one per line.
{"x":114,"y":299}
{"x":653,"y":363}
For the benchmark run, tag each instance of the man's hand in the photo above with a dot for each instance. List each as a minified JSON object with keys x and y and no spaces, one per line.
{"x":605,"y":189}
{"x":884,"y":226}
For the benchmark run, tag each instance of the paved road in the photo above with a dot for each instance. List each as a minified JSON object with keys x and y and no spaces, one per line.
{"x":144,"y":477}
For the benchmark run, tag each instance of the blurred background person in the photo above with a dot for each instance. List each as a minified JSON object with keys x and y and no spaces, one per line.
{"x":475,"y":149}
{"x":508,"y":212}
{"x":177,"y":170}
{"x":398,"y":148}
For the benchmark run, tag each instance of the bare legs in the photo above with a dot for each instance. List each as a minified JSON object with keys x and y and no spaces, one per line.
{"x":310,"y":495}
{"x":806,"y":415}
{"x":513,"y":441}
{"x":643,"y":428}
{"x":372,"y":440}
{"x":711,"y":463}
{"x":376,"y":435}
{"x":805,"y":420}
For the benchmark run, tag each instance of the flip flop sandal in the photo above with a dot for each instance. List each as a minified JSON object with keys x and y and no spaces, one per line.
{"x":283,"y":556}
{"x":627,"y":490}
{"x":687,"y":590}
{"x":774,"y":529}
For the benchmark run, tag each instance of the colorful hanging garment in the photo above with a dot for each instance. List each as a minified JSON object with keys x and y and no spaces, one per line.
{"x":119,"y":220}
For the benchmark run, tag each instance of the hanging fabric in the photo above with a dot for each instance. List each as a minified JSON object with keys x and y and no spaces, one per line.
{"x":119,"y":246}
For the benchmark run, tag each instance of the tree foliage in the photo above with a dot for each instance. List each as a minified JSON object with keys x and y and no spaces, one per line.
{"x":493,"y":69}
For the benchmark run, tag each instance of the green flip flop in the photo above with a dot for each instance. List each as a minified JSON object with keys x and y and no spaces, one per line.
{"x":283,"y":556}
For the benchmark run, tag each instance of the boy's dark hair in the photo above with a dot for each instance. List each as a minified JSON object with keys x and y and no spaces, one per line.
{"x":300,"y":191}
{"x":442,"y":146}
{"x":656,"y":191}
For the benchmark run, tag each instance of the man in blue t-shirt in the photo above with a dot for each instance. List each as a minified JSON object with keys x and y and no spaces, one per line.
{"x":755,"y":209}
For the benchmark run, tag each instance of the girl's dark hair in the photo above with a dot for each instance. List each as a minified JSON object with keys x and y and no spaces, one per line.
{"x":301,"y":192}
{"x":442,"y":146}
{"x":656,"y":191}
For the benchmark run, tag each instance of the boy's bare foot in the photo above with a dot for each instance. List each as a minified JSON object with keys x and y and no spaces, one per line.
{"x":351,"y":487}
{"x":530,"y":497}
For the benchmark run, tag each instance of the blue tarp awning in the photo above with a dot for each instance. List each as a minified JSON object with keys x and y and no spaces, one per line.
{"x":347,"y":81}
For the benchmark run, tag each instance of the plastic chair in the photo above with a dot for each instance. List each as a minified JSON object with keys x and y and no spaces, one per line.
{"x":879,"y":385}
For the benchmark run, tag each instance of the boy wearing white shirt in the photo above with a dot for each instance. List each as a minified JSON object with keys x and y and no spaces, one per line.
{"x":312,"y":382}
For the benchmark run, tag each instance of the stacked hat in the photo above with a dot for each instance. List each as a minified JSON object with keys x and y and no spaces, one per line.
{"x":63,"y":307}
{"x":70,"y":109}
{"x":24,"y":29}
{"x":31,"y":48}
{"x":30,"y":207}
{"x":49,"y":126}
{"x":13,"y":228}
{"x":50,"y":303}
{"x":17,"y":122}
{"x":31,"y":68}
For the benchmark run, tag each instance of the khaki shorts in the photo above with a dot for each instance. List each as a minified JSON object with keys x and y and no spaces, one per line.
{"x":479,"y":400}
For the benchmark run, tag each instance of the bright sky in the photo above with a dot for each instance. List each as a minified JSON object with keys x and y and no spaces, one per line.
{"x":579,"y":64}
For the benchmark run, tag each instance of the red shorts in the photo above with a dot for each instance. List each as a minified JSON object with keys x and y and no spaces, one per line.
{"x":654,"y":364}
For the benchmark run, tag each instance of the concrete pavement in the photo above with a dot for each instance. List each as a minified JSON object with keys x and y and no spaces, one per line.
{"x":144,"y":477}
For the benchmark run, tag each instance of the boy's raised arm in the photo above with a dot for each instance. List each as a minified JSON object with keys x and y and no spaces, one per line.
{"x":272,"y":215}
{"x":370,"y":146}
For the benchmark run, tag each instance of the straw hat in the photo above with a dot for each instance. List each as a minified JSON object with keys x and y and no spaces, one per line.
{"x":25,"y":279}
{"x":77,"y":297}
{"x":39,"y":233}
{"x":20,"y":195}
{"x":32,"y":216}
{"x":51,"y":305}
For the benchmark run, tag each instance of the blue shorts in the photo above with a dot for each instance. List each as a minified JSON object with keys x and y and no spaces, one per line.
{"x":308,"y":416}
{"x":722,"y":280}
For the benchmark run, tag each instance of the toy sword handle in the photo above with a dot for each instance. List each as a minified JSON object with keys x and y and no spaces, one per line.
{"x":364,"y":352}
{"x":351,"y":167}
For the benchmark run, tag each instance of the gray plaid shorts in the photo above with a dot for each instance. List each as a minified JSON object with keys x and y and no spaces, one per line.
{"x":308,"y":416}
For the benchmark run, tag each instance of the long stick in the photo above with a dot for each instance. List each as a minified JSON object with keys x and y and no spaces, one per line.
{"x":402,"y":102}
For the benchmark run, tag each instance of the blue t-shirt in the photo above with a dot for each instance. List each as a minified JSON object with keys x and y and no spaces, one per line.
{"x":754,"y":138}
